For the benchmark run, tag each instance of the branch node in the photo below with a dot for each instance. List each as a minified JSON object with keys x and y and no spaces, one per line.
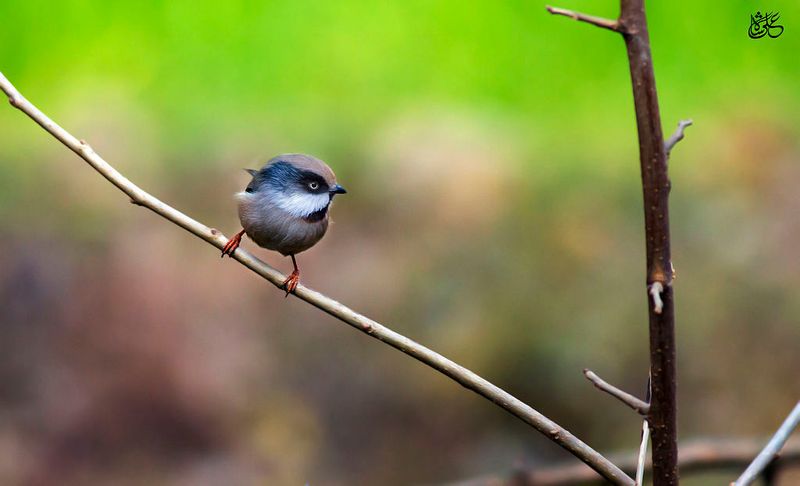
{"x":656,"y":288}
{"x":677,"y":135}
{"x":639,"y":406}
{"x":589,"y":19}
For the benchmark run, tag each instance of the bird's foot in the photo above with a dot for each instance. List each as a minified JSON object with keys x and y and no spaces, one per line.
{"x":232,"y":245}
{"x":291,"y":282}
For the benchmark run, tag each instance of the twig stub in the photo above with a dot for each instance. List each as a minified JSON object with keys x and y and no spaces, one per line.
{"x":655,"y":292}
{"x":589,"y":19}
{"x":639,"y":406}
{"x":677,"y":135}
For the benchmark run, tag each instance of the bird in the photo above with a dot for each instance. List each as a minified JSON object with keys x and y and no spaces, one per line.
{"x":286,"y":207}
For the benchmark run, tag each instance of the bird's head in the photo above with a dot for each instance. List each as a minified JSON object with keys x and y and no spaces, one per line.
{"x":299,"y":184}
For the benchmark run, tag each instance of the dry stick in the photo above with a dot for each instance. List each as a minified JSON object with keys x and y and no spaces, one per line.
{"x":662,"y":415}
{"x":697,"y":456}
{"x":773,"y":447}
{"x":589,"y":19}
{"x":676,"y":136}
{"x":639,"y":406}
{"x":463,"y":376}
{"x":632,"y":24}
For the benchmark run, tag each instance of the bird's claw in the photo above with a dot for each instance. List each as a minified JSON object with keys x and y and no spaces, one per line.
{"x":291,"y":282}
{"x":232,"y":245}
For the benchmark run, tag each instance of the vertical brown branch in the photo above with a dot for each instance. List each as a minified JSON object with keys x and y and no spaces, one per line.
{"x":655,"y":187}
{"x":661,"y":415}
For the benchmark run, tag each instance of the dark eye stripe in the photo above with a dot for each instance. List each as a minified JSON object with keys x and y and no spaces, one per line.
{"x":281,"y":175}
{"x":307,"y":178}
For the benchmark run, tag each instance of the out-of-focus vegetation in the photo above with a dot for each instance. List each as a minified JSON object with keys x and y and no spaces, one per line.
{"x":494,"y":213}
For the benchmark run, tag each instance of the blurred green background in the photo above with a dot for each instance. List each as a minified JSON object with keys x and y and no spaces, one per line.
{"x":494,"y":214}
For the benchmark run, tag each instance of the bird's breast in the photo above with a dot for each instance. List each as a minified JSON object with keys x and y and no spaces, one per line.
{"x":274,"y":228}
{"x":318,"y":215}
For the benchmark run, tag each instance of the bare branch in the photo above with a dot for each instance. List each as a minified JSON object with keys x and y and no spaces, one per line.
{"x":662,"y":415}
{"x":458,"y":373}
{"x":639,"y":406}
{"x":676,"y":136}
{"x":589,"y":19}
{"x":771,"y":450}
{"x":697,"y":456}
{"x":662,"y":412}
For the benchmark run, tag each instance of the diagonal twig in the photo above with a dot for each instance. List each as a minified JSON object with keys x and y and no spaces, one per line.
{"x":458,"y":373}
{"x":771,"y":450}
{"x":677,"y":135}
{"x":639,"y":406}
{"x":589,"y":19}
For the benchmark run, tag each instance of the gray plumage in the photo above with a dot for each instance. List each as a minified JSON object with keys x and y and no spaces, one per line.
{"x":285,"y":206}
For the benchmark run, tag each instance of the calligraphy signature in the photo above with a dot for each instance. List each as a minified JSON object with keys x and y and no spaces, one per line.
{"x":761,"y":25}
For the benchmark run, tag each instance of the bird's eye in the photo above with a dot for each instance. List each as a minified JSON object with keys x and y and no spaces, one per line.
{"x":313,"y":186}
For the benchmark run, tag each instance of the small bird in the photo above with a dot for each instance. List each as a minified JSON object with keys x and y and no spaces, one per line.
{"x":285,"y":207}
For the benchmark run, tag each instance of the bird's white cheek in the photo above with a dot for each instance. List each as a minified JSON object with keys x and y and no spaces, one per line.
{"x":300,"y":204}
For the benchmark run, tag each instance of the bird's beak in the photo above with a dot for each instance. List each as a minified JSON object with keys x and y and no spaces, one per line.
{"x":337,"y":189}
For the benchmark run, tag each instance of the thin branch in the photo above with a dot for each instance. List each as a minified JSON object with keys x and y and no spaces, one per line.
{"x":640,"y":463}
{"x":589,"y":19}
{"x":642,"y":458}
{"x":639,"y":406}
{"x":698,"y":456}
{"x":771,"y":450}
{"x":676,"y":136}
{"x":695,"y":457}
{"x":458,"y":373}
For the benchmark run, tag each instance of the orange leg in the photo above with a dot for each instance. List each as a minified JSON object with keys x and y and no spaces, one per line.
{"x":293,"y":279}
{"x":232,"y":245}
